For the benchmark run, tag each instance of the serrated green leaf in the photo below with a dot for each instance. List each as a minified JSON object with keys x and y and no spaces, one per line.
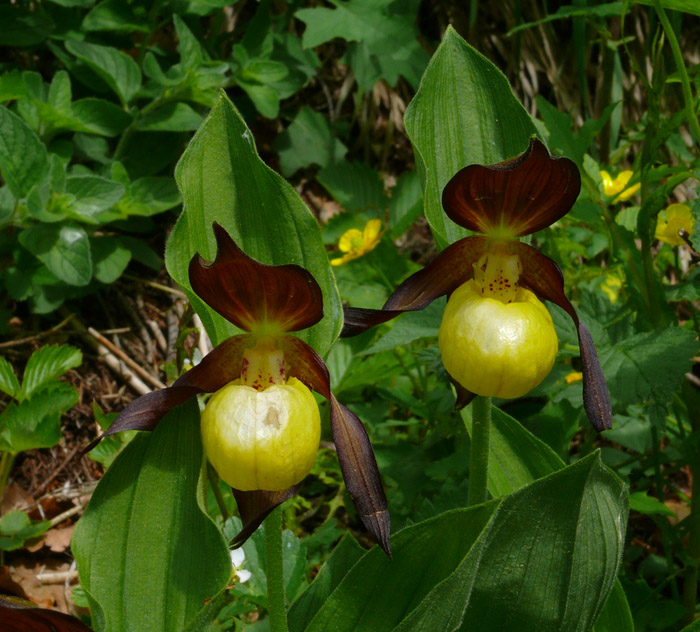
{"x":36,"y":422}
{"x":63,"y":249}
{"x":463,"y":113}
{"x":8,"y":379}
{"x":388,"y":33}
{"x":222,"y":179}
{"x":119,"y":71}
{"x":145,"y":522}
{"x":24,"y":161}
{"x":648,"y":367}
{"x":49,"y":363}
{"x":308,"y":140}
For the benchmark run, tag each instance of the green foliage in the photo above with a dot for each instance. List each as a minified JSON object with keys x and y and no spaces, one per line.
{"x":33,"y":421}
{"x":16,"y":528}
{"x":146,"y":522}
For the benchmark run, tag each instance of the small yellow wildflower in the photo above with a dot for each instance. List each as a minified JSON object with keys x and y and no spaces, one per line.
{"x":617,"y":186}
{"x":611,"y":287}
{"x":573,"y":377}
{"x":675,"y":218}
{"x":355,"y":243}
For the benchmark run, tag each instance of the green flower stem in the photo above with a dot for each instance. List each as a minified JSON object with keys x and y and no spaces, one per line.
{"x":691,"y":114}
{"x":214,"y":482}
{"x":274,"y":569}
{"x":6,"y":461}
{"x":479,"y":455}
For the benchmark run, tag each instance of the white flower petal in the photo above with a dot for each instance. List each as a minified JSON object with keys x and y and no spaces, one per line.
{"x":243,"y":576}
{"x":237,"y":557}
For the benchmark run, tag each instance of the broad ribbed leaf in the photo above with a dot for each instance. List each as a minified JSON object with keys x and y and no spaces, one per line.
{"x":463,"y":113}
{"x":542,"y":559}
{"x":223,"y":180}
{"x":48,"y":363}
{"x":148,"y":555}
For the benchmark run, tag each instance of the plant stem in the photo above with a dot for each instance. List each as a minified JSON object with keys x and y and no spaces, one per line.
{"x":214,"y":482}
{"x":479,"y":454}
{"x":690,"y":572}
{"x":274,"y":570}
{"x":6,"y":461}
{"x":691,"y":115}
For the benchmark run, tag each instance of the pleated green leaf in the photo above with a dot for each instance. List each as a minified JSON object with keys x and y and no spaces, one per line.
{"x":148,"y":556}
{"x":222,"y":179}
{"x":463,"y":113}
{"x":542,"y":559}
{"x":516,"y":459}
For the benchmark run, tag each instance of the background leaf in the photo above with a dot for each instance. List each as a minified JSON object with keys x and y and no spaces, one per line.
{"x":48,"y":363}
{"x":148,"y":556}
{"x":63,"y":249}
{"x":24,"y":160}
{"x":463,"y":113}
{"x":8,"y":380}
{"x":222,"y":179}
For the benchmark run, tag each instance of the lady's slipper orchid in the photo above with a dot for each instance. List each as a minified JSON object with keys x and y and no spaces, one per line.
{"x":676,"y":218}
{"x":617,"y":186}
{"x":496,"y":338}
{"x":355,"y":243}
{"x":261,"y":428}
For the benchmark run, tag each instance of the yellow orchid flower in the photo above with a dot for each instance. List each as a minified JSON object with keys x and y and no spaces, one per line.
{"x":617,"y":186}
{"x":355,"y":243}
{"x":675,"y":218}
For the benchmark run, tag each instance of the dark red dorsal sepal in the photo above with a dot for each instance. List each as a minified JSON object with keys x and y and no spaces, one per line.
{"x":513,"y":198}
{"x":247,"y":292}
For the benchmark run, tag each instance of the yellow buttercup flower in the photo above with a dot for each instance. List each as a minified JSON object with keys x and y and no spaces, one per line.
{"x":355,"y":243}
{"x":617,"y":186}
{"x":574,"y":377}
{"x":675,"y":218}
{"x":611,"y":287}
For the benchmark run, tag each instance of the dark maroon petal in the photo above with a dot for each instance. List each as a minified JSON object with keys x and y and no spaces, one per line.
{"x":352,"y":444}
{"x":217,"y":368}
{"x":544,"y":277}
{"x":452,"y":267}
{"x":22,"y":616}
{"x":303,"y":363}
{"x":255,"y":506}
{"x":360,"y":472}
{"x":521,"y":195}
{"x":246,"y":292}
{"x":464,"y":396}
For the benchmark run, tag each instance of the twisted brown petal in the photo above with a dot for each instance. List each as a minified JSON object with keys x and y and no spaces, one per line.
{"x":517,"y":197}
{"x":217,"y":368}
{"x":246,"y":292}
{"x":452,"y":267}
{"x":544,"y":277}
{"x":255,"y":506}
{"x":352,"y":443}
